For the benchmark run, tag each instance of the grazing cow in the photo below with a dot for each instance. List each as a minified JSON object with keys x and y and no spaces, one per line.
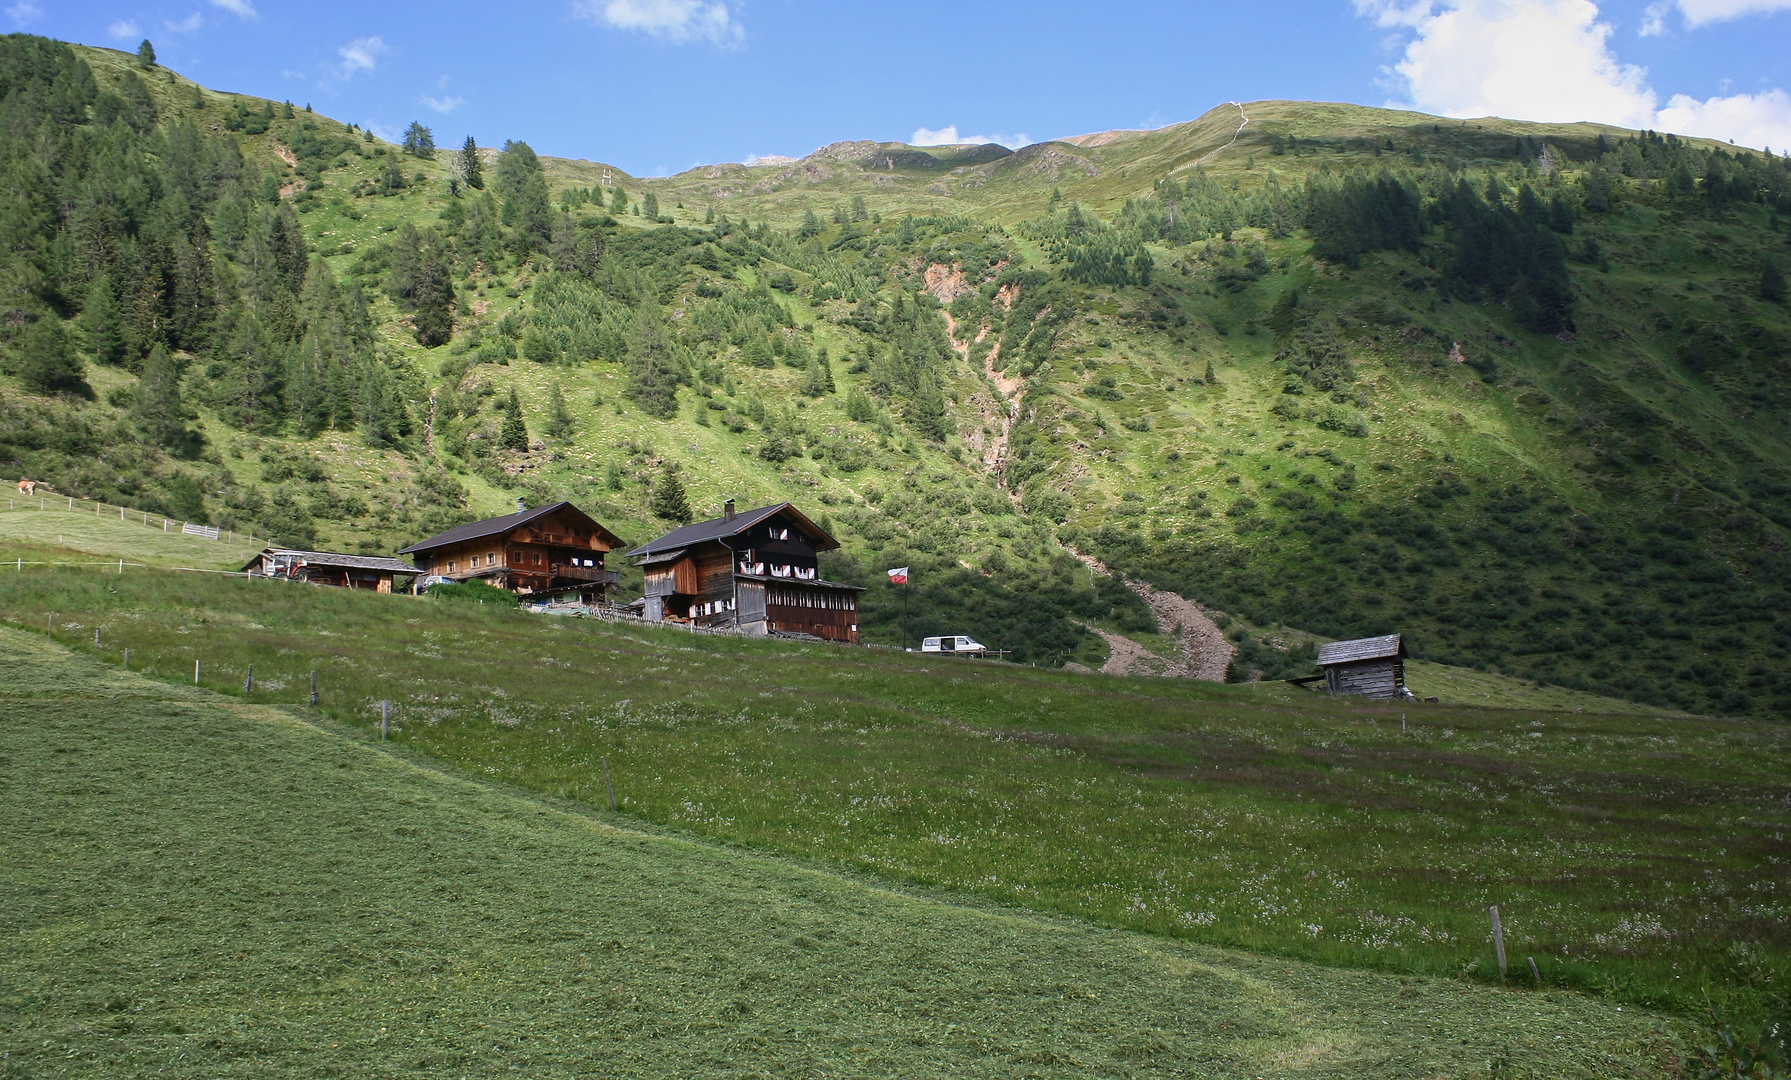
{"x":27,"y":487}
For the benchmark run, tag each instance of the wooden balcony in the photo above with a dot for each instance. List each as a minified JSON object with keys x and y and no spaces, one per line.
{"x":596,"y":575}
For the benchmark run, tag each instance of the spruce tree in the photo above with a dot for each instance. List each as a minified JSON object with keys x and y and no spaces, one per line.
{"x":618,"y":201}
{"x":49,"y":364}
{"x":650,"y":206}
{"x":514,"y":434}
{"x":559,"y":420}
{"x":419,"y":141}
{"x":1210,"y":377}
{"x":102,"y":323}
{"x":146,"y":55}
{"x":1772,"y":282}
{"x":819,"y":380}
{"x":472,"y":167}
{"x":669,"y":501}
{"x":652,"y":364}
{"x":159,"y":411}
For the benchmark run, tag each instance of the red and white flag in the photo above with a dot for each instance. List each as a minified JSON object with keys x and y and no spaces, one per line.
{"x":899,"y":576}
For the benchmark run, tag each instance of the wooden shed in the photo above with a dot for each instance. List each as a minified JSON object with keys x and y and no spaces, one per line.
{"x":1370,"y":667}
{"x":376,"y":572}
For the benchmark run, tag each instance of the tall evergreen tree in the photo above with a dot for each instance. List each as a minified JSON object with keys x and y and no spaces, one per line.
{"x":652,"y":364}
{"x":1772,"y":281}
{"x":559,"y":419}
{"x":48,"y":362}
{"x":160,"y":412}
{"x":472,"y":166}
{"x":669,"y":501}
{"x":650,"y":205}
{"x":618,"y":201}
{"x":146,"y":55}
{"x":103,"y":324}
{"x":419,"y":141}
{"x":513,"y":434}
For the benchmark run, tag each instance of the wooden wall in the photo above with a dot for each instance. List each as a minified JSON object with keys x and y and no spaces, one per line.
{"x":1368,"y":678}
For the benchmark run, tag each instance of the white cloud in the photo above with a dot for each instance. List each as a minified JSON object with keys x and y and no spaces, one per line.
{"x":674,"y":20}
{"x":1551,"y":61}
{"x":24,"y":11}
{"x":240,"y":8}
{"x":124,"y":29}
{"x":948,"y":136}
{"x":188,"y":25}
{"x":1755,"y":120}
{"x":443,"y":104}
{"x":1547,"y":60}
{"x":360,"y":55}
{"x":1704,"y":12}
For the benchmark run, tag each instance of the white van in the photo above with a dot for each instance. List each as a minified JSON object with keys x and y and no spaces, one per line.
{"x":955,"y":646}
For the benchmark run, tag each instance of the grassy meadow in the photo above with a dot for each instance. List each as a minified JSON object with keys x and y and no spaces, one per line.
{"x":202,"y":887}
{"x":1637,"y":855}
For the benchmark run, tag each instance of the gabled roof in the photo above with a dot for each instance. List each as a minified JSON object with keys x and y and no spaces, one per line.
{"x":1373,"y":648}
{"x":497,"y":526}
{"x":384,"y":563}
{"x":722,"y":527}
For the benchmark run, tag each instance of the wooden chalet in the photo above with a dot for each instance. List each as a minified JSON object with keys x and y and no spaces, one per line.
{"x":1369,"y":667}
{"x":557,"y":548}
{"x":755,"y":570}
{"x":376,"y":572}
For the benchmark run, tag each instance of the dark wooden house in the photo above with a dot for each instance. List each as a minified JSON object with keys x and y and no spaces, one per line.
{"x":1370,"y":667}
{"x":755,"y":570}
{"x":379,"y":573}
{"x":557,"y":548}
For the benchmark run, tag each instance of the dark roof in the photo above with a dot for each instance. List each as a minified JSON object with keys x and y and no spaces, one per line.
{"x":509,"y":522}
{"x":1373,"y":648}
{"x":717,"y":528}
{"x":662,"y":557}
{"x":334,"y":558}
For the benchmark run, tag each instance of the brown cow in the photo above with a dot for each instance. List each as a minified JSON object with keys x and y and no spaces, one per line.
{"x":27,"y":487}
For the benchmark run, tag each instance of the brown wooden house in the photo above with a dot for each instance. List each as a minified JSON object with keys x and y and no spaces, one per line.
{"x":1371,"y":667}
{"x":376,"y":572}
{"x":557,"y":548}
{"x":755,"y":570}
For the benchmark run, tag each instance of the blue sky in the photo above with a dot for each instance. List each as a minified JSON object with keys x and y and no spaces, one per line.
{"x":656,"y":86}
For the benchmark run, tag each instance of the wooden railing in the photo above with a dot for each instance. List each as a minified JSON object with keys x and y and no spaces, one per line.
{"x":594,"y":574}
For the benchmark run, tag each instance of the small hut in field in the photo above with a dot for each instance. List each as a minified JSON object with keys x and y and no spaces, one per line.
{"x":1369,"y":667}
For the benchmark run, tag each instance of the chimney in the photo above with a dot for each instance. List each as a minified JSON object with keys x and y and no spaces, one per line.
{"x":520,"y":505}
{"x":727,"y":510}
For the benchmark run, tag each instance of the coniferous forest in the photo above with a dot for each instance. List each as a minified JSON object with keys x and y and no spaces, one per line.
{"x":1519,"y":391}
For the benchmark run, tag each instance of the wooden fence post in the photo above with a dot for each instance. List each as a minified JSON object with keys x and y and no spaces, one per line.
{"x":1498,"y":941}
{"x":383,"y":706}
{"x":1535,"y":972}
{"x":313,"y":686}
{"x":249,"y":681}
{"x":606,"y":784}
{"x":127,"y":659}
{"x":195,"y":673}
{"x":96,"y":637}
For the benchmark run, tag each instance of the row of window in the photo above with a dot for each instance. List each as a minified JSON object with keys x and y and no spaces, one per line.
{"x":830,"y":601}
{"x":517,"y":558}
{"x":713,"y":607}
{"x":783,"y":570}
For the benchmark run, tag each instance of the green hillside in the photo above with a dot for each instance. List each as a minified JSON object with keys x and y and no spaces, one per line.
{"x":1637,"y":856}
{"x":380,"y":916}
{"x":1516,"y":390}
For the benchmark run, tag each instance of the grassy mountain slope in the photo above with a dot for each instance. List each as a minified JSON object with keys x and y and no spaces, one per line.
{"x":167,"y":917}
{"x":1353,"y":834}
{"x":1590,"y":488}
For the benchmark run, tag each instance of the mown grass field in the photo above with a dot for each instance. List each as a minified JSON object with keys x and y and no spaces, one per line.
{"x":1637,"y":856}
{"x":200,"y":887}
